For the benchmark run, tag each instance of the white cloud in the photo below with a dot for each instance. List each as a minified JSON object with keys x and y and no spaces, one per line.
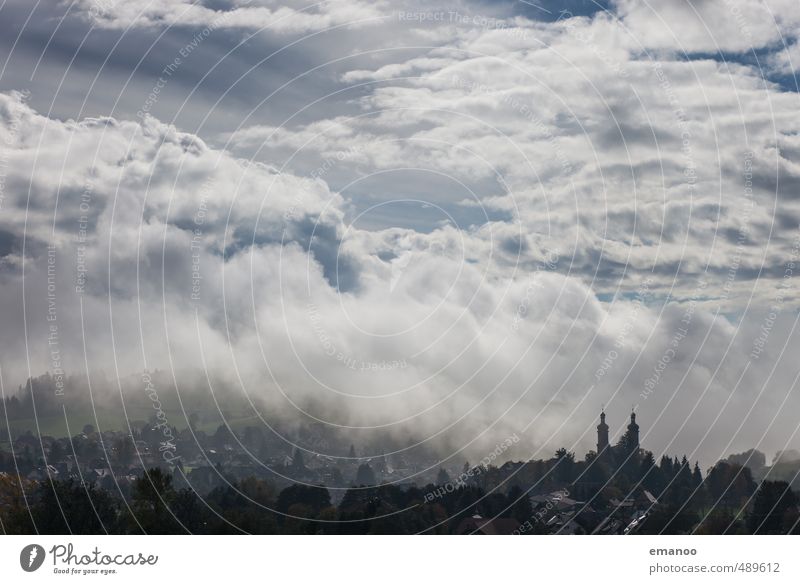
{"x":279,"y":17}
{"x":487,"y":346}
{"x":786,"y":61}
{"x":729,"y":26}
{"x":664,"y":165}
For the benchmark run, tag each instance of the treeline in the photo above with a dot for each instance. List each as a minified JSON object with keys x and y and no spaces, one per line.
{"x":39,"y":396}
{"x":46,"y":395}
{"x":155,"y":506}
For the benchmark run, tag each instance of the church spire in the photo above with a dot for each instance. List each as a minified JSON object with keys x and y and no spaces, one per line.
{"x":602,"y":433}
{"x":633,"y":432}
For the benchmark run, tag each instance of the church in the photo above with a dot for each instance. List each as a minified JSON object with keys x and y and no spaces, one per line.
{"x":628,"y":443}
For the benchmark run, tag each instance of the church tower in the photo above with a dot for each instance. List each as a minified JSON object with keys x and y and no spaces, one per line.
{"x":602,"y":434}
{"x":633,"y":433}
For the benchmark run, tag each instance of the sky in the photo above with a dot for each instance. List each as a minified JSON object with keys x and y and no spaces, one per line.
{"x":450,"y":222}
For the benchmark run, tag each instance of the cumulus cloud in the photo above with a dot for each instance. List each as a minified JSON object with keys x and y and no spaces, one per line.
{"x":626,"y":163}
{"x":786,"y":61}
{"x":152,"y":249}
{"x":734,"y":26}
{"x":279,"y":17}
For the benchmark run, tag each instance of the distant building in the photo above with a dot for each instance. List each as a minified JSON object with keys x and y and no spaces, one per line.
{"x":629,"y":442}
{"x":633,"y":433}
{"x":602,"y":434}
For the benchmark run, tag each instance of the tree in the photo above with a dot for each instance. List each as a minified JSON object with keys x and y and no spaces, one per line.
{"x":563,"y":453}
{"x":15,"y":516}
{"x":70,"y":507}
{"x":667,"y":468}
{"x":565,"y":463}
{"x":151,"y":497}
{"x":521,"y":508}
{"x":730,"y":484}
{"x":442,"y":478}
{"x":685,"y":472}
{"x":699,"y":493}
{"x":316,"y":498}
{"x":261,"y":491}
{"x":649,"y":473}
{"x":753,"y":459}
{"x":774,"y":500}
{"x":190,"y":512}
{"x":697,"y":476}
{"x":247,"y":508}
{"x":13,"y":407}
